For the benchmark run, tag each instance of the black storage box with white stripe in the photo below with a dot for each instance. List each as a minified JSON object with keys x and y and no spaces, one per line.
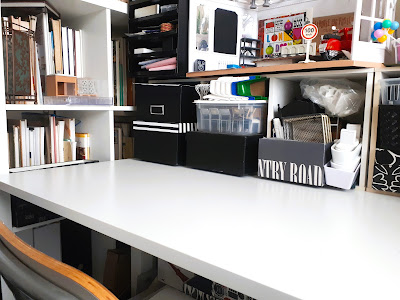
{"x":165,"y":112}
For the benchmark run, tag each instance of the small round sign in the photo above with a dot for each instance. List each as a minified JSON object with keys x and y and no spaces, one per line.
{"x":309,"y":31}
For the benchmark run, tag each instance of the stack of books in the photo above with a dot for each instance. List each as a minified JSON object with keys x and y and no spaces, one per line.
{"x":65,"y":50}
{"x":49,"y":139}
{"x":120,"y":72}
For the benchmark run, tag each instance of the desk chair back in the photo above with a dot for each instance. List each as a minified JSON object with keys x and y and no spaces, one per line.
{"x":32,"y":275}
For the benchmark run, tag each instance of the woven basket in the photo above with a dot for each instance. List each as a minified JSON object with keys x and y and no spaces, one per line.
{"x":389,"y":127}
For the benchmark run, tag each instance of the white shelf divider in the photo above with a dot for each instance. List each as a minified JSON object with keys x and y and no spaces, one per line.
{"x":36,"y":225}
{"x":48,"y":166}
{"x":33,"y":107}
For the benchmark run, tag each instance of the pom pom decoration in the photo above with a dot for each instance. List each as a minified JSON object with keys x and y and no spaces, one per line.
{"x":269,"y":50}
{"x":378,"y":26}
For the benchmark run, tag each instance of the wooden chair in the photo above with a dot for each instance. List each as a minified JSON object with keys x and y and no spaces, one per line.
{"x":32,"y":275}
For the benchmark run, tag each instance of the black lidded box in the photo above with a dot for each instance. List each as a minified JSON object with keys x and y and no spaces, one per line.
{"x":165,"y":113}
{"x":293,"y":161}
{"x":224,"y":153}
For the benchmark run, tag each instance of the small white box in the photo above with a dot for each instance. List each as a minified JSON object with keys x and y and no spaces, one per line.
{"x":340,"y":178}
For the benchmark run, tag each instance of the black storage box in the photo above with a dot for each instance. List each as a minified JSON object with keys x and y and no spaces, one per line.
{"x":293,"y":161}
{"x":25,"y":213}
{"x":164,"y":114}
{"x":389,"y":127}
{"x":386,"y":166}
{"x":224,"y":153}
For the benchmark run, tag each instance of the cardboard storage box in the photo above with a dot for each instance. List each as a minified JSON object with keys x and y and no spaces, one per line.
{"x":165,"y":113}
{"x":224,"y":153}
{"x":117,"y":272}
{"x":293,"y":161}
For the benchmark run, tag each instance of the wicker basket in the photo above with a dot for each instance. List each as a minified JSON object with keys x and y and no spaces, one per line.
{"x":389,"y":127}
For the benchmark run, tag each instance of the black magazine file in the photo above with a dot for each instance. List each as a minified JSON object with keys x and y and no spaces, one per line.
{"x":225,"y":31}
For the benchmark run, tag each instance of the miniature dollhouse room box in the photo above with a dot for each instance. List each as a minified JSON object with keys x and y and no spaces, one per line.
{"x":217,"y":44}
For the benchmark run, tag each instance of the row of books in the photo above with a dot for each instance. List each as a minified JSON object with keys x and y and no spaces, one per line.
{"x":123,"y":86}
{"x":56,"y":142}
{"x":123,"y":142}
{"x":65,"y":50}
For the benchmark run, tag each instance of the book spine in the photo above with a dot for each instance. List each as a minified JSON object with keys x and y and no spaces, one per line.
{"x":71,"y":52}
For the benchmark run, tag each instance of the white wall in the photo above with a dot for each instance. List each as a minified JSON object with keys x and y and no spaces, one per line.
{"x":320,"y":8}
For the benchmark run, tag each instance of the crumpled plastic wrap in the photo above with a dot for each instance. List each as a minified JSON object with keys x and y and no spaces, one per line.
{"x":339,"y":97}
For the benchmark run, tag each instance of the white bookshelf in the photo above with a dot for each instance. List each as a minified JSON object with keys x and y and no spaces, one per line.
{"x":97,"y":19}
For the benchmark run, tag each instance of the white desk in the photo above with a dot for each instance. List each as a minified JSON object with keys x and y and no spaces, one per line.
{"x":266,"y":239}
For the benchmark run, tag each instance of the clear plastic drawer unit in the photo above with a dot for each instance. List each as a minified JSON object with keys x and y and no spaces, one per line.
{"x":234,"y":117}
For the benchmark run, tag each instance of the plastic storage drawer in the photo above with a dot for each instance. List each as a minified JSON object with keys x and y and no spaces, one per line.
{"x":232,"y":117}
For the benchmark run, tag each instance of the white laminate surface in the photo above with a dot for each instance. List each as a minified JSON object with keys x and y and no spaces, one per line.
{"x":269,"y":240}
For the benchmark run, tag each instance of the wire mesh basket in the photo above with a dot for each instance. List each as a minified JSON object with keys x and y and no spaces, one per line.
{"x":390,"y":91}
{"x":311,"y":128}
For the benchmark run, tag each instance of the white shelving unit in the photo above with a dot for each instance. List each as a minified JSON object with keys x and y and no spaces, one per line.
{"x":283,"y":88}
{"x":97,"y":19}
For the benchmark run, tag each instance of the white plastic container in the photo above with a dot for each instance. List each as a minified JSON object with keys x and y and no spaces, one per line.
{"x":340,"y":178}
{"x":345,"y":157}
{"x":232,"y":117}
{"x":390,"y":91}
{"x":77,"y":100}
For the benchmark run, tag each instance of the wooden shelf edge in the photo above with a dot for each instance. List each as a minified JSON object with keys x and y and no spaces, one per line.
{"x":287,"y":68}
{"x":124,"y":108}
{"x":371,"y":190}
{"x":34,"y":107}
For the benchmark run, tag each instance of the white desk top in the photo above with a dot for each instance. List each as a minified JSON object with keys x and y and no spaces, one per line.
{"x":266,"y":239}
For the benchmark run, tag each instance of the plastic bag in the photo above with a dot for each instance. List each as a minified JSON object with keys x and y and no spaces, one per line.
{"x":339,"y":97}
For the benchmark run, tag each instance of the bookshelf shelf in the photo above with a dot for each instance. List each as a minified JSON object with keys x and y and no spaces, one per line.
{"x":155,"y":54}
{"x":48,"y":166}
{"x":32,"y":107}
{"x":152,"y":36}
{"x":124,"y":108}
{"x":155,"y":19}
{"x":158,"y":74}
{"x":142,"y":3}
{"x":173,"y":44}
